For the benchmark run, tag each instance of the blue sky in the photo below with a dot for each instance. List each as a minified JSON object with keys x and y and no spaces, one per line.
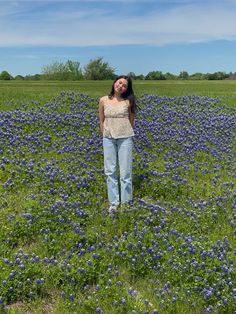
{"x":131,"y":35}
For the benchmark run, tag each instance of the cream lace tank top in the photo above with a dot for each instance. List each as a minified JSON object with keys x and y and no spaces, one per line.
{"x":117,"y":123}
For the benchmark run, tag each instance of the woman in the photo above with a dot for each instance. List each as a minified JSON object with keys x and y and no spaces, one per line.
{"x":116,"y":116}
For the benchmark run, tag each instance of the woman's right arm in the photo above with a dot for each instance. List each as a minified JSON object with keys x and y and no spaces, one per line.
{"x":101,"y":114}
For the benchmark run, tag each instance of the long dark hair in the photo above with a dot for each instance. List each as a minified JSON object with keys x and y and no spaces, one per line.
{"x":128,"y":94}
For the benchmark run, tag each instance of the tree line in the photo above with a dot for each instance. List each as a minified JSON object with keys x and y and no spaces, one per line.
{"x":98,"y":69}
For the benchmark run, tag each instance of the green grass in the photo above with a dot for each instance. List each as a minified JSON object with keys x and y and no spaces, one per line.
{"x":176,"y":239}
{"x":13,"y":93}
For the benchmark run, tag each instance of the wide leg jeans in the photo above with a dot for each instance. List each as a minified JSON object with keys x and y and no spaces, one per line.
{"x":118,"y":157}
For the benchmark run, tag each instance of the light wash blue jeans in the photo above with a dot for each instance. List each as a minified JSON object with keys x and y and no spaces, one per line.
{"x":118,"y":154}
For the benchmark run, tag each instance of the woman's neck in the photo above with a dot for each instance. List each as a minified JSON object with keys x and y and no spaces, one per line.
{"x":118,"y":97}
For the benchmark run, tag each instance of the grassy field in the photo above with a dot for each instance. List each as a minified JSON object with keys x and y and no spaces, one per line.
{"x":170,"y":251}
{"x":14,"y":92}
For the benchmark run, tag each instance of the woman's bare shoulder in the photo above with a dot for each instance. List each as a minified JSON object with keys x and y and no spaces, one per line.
{"x":103,"y":99}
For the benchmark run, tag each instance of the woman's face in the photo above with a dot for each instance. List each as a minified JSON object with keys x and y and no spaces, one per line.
{"x":121,"y":86}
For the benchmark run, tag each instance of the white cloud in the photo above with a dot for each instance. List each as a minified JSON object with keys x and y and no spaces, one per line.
{"x":185,"y":23}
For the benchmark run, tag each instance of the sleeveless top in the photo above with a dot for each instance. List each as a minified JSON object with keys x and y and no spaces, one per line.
{"x":117,"y":123}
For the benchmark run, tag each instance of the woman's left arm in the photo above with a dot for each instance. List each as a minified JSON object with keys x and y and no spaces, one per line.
{"x":131,"y":117}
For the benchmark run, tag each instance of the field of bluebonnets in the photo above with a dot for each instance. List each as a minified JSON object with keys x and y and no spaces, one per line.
{"x":172,"y":250}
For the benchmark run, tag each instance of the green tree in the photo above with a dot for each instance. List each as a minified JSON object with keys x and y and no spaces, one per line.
{"x":97,"y":69}
{"x":62,"y":71}
{"x":73,"y":70}
{"x":19,"y":78}
{"x":155,"y":75}
{"x":132,"y":75}
{"x":136,"y":77}
{"x":34,"y":77}
{"x":217,"y":76}
{"x":170,"y":76}
{"x":54,"y":71}
{"x":6,"y":76}
{"x":197,"y":76}
{"x":184,"y":75}
{"x":140,"y":77}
